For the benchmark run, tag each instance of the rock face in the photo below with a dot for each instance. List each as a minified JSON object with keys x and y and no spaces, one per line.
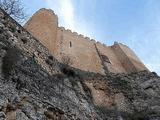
{"x":35,"y":86}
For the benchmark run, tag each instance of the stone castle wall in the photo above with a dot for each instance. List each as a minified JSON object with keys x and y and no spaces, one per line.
{"x":81,"y":51}
{"x":113,"y":65}
{"x":132,"y":57}
{"x":43,"y":25}
{"x":86,"y":54}
{"x":128,"y":59}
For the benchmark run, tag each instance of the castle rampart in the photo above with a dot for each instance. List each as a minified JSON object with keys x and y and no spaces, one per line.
{"x":86,"y":53}
{"x":43,"y":25}
{"x":128,"y":58}
{"x":75,"y":46}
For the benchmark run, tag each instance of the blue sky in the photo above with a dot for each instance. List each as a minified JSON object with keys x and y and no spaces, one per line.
{"x":135,"y":23}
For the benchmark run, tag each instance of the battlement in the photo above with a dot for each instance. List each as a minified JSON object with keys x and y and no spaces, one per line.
{"x":46,"y":10}
{"x":80,"y":36}
{"x":87,"y":54}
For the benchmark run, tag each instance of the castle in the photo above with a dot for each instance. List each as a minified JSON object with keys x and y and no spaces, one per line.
{"x":86,"y":54}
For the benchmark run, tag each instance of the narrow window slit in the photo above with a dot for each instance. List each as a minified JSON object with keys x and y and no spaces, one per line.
{"x":70,"y":44}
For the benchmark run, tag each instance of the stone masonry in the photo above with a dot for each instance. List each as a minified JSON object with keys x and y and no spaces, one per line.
{"x":86,"y":54}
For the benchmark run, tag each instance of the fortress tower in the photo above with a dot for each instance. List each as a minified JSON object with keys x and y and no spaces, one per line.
{"x":43,"y":25}
{"x":86,"y":54}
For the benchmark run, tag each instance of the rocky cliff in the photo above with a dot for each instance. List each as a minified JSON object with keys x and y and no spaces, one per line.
{"x":35,"y":86}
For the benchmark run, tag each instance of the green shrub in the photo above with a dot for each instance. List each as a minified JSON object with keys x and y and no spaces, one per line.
{"x":24,"y":40}
{"x":73,"y":81}
{"x":68,"y":71}
{"x":13,"y":28}
{"x":1,"y":30}
{"x":9,"y":60}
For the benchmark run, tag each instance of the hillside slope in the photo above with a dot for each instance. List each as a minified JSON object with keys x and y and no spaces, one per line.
{"x":35,"y":86}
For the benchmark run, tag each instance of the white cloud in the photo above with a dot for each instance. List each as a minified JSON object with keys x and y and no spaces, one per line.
{"x":65,"y":11}
{"x":146,"y":46}
{"x":142,"y":42}
{"x":68,"y":18}
{"x":154,"y":67}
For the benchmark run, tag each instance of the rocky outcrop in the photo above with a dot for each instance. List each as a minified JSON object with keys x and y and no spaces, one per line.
{"x":35,"y":86}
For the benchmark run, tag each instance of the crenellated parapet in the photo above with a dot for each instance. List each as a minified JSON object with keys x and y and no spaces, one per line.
{"x":87,"y":54}
{"x":77,"y":35}
{"x":101,"y":44}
